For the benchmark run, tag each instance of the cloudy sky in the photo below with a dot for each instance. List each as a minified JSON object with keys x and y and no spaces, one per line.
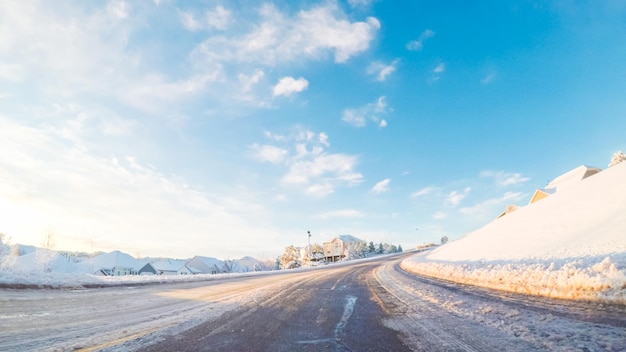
{"x":231,"y":128}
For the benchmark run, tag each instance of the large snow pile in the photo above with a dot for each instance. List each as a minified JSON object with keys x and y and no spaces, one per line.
{"x":571,"y":245}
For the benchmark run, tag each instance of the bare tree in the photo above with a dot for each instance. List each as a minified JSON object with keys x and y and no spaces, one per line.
{"x":48,"y":241}
{"x":5,"y":244}
{"x":46,"y":257}
{"x":230,"y":266}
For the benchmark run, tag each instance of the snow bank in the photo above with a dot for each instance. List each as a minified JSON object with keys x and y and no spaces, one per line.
{"x":38,"y":279}
{"x":571,"y":245}
{"x":45,"y":268}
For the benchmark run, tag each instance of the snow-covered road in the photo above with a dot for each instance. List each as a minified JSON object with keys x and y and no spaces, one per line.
{"x":341,"y":305}
{"x":469,"y":318}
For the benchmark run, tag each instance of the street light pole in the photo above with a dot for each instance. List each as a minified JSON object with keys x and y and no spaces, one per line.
{"x":417,"y":238}
{"x":309,"y":233}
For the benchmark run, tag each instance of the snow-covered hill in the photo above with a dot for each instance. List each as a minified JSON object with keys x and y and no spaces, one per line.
{"x":571,"y":244}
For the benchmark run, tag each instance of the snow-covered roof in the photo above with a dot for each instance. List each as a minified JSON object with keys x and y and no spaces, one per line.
{"x":349,"y":238}
{"x":250,"y":264}
{"x":209,"y":261}
{"x":115,"y":259}
{"x":200,"y":264}
{"x":571,"y":177}
{"x":168,"y":265}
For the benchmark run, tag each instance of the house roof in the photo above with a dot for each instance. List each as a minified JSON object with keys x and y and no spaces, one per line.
{"x":571,"y":177}
{"x":168,"y":265}
{"x":349,"y":238}
{"x":250,"y":263}
{"x":116,"y":259}
{"x":204,"y":264}
{"x":345,"y":238}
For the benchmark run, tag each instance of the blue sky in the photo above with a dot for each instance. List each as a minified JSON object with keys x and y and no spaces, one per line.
{"x":231,"y":128}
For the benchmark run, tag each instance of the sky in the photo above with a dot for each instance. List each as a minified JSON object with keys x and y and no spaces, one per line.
{"x":231,"y":128}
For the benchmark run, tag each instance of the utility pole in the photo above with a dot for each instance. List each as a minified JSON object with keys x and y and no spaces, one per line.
{"x":309,"y":233}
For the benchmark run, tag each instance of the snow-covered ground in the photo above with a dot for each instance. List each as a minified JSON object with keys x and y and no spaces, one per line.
{"x":40,"y":267}
{"x":571,"y":244}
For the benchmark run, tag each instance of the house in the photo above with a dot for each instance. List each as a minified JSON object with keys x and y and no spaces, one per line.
{"x":166,"y":267}
{"x":205,"y":265}
{"x":564,"y":181}
{"x":248,"y":264}
{"x":337,"y":248}
{"x":115,"y":263}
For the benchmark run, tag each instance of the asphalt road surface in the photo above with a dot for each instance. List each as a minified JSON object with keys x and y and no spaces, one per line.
{"x":358,"y":306}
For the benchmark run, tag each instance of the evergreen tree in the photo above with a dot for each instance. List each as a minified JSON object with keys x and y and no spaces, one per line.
{"x":372,"y":248}
{"x":380,"y":249}
{"x":400,"y":250}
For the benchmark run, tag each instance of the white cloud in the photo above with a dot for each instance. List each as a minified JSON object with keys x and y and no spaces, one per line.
{"x":247,"y":82}
{"x":441,"y":67}
{"x":504,"y":179}
{"x":488,"y":79}
{"x":218,"y":18}
{"x":278,"y":38}
{"x":288,"y":85}
{"x":440,"y":215}
{"x":189,"y":21}
{"x":51,"y":184}
{"x":438,"y":71}
{"x":118,"y":9}
{"x":358,"y":117}
{"x":455,"y":197}
{"x":342,"y":213}
{"x":382,"y":124}
{"x":337,"y":167}
{"x":270,"y":153}
{"x":354,"y":117}
{"x":323,"y":137}
{"x":308,"y":166}
{"x":417,"y":44}
{"x":423,"y":192}
{"x":489,"y":205}
{"x":382,"y":186}
{"x":320,"y":190}
{"x":382,"y":71}
{"x":358,"y":3}
{"x":72,"y":50}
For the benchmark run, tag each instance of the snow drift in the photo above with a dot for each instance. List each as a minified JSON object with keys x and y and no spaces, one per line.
{"x":570,"y":245}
